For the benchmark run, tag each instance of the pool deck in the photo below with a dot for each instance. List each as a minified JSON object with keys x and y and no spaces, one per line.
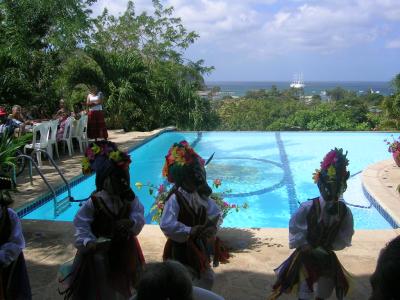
{"x":381,"y":180}
{"x":257,"y":252}
{"x":249,"y":275}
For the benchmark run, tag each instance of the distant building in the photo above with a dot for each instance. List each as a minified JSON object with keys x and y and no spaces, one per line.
{"x":375,"y":110}
{"x":324,"y":97}
{"x":222,"y":95}
{"x":306,"y":99}
{"x":204,"y":94}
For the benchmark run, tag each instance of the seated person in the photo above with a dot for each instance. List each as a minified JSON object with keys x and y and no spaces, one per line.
{"x":190,"y":217}
{"x":14,"y":281}
{"x":317,"y":229}
{"x":62,"y":119}
{"x":7,"y":126}
{"x":109,"y":259}
{"x":17,"y":117}
{"x":62,"y":111}
{"x":385,"y":281}
{"x":170,"y":280}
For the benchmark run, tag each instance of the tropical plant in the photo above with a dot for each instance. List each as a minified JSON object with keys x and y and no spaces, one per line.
{"x":161,"y":192}
{"x":9,"y":147}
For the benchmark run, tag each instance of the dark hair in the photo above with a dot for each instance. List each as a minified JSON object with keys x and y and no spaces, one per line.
{"x":166,"y":280}
{"x":385,"y":281}
{"x":6,"y":184}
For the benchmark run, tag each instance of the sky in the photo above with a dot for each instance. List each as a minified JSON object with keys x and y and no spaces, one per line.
{"x":272,"y":40}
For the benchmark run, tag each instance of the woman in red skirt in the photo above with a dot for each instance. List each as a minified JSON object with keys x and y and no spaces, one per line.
{"x":96,"y":124}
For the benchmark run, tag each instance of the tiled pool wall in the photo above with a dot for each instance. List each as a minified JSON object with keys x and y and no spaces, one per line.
{"x":379,"y":208}
{"x":41,"y":200}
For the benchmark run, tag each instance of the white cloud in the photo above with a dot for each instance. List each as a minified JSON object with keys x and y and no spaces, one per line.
{"x":393,"y":43}
{"x":317,"y":28}
{"x":270,"y":27}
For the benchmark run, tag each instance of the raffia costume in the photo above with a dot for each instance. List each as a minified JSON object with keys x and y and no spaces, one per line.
{"x":316,"y":230}
{"x":111,"y":218}
{"x":186,"y":209}
{"x":14,"y":280}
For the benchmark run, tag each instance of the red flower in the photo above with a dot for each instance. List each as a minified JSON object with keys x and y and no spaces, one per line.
{"x":329,"y":159}
{"x":161,"y":189}
{"x":184,"y":143}
{"x":217,"y":182}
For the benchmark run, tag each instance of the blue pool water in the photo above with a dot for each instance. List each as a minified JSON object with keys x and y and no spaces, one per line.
{"x":271,"y":172}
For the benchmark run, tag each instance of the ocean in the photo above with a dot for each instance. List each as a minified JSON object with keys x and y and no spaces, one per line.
{"x":239,"y":88}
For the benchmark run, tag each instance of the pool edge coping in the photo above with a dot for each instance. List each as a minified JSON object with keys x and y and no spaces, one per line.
{"x":376,"y":192}
{"x":27,"y":208}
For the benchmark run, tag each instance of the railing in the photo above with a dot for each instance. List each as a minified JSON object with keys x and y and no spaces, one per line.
{"x":63,"y":204}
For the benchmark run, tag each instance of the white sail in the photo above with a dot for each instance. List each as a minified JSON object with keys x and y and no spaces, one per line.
{"x":298,"y":82}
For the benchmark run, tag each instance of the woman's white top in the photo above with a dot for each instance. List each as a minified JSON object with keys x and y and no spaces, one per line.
{"x":93,"y":98}
{"x":15,"y":244}
{"x":169,"y":223}
{"x":85,"y":216}
{"x":298,"y":226}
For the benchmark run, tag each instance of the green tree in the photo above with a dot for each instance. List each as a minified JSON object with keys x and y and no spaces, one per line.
{"x":336,"y":94}
{"x":137,"y":62}
{"x":35,"y":36}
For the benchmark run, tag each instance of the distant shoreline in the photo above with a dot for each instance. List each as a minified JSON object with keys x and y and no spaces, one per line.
{"x":323,"y":81}
{"x":240,"y":88}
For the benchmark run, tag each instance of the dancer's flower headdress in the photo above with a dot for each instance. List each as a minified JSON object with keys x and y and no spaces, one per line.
{"x":179,"y":157}
{"x":332,"y":176}
{"x":101,"y":153}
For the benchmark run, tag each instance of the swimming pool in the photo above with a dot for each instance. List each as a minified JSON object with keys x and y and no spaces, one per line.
{"x":271,"y":171}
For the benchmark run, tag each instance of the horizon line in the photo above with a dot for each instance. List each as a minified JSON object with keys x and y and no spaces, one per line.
{"x":332,"y":80}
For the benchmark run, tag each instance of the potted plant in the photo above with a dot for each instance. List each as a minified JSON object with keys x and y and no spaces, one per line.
{"x":394,"y":148}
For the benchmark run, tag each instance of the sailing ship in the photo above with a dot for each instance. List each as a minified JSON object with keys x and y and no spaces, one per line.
{"x":298,"y":82}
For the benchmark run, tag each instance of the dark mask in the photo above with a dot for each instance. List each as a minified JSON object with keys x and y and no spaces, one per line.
{"x":199,"y":178}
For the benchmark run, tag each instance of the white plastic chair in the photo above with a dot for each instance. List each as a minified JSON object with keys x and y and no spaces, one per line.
{"x":80,"y":133}
{"x":41,"y":143}
{"x":53,"y":124}
{"x":67,"y":136}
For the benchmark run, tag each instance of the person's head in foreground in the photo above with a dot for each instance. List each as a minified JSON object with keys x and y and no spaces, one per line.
{"x":385,"y":281}
{"x":6,"y":184}
{"x":168,"y":280}
{"x":185,"y":168}
{"x":112,"y":169}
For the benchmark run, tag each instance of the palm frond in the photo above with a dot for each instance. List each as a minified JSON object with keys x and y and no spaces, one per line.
{"x":9,"y":147}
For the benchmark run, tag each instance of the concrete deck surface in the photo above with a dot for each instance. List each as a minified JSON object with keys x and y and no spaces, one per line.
{"x":249,"y":275}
